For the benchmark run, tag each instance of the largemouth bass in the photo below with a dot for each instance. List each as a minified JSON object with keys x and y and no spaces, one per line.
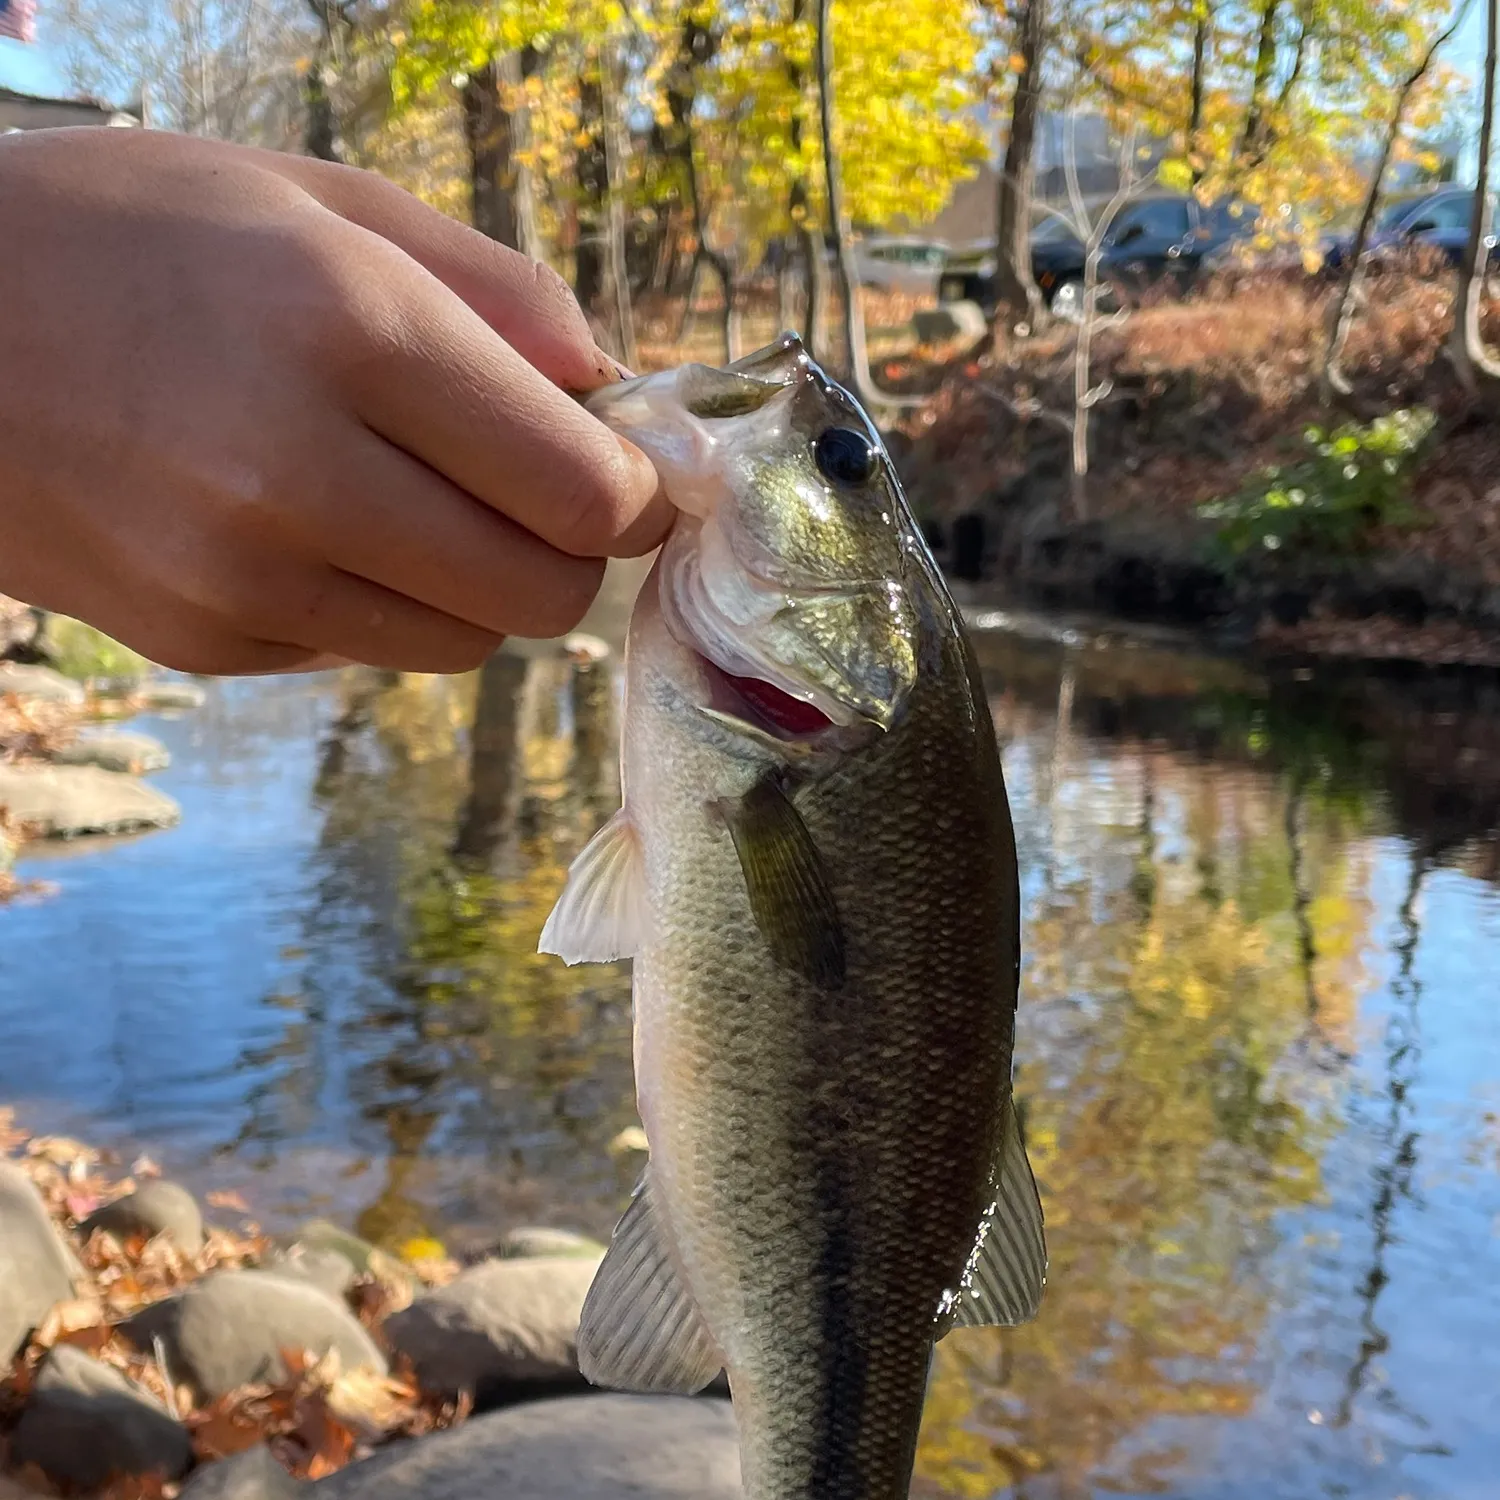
{"x":814,"y":872}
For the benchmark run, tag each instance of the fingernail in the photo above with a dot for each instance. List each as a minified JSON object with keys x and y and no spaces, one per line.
{"x":614,"y":367}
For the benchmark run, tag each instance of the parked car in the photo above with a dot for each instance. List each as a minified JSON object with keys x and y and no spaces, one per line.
{"x":892,"y":263}
{"x":1160,"y":239}
{"x":1434,"y":218}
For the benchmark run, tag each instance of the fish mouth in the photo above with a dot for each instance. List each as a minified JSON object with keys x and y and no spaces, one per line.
{"x":721,"y":611}
{"x":763,"y":705}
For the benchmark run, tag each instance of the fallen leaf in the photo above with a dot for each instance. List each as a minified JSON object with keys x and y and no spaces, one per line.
{"x":144,"y":1166}
{"x":68,"y":1317}
{"x":423,"y":1248}
{"x":80,"y":1205}
{"x":92,"y":1339}
{"x":228,"y":1200}
{"x":632,"y":1138}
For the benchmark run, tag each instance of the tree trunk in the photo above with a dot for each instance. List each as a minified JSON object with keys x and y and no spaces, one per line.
{"x":853,"y":324}
{"x":1265,"y":65}
{"x":500,"y":185}
{"x":809,"y":246}
{"x":1201,"y":23}
{"x":320,"y":135}
{"x":590,"y":259}
{"x":615,"y":146}
{"x":696,"y":46}
{"x":1019,"y":299}
{"x":1334,"y":379}
{"x":1476,"y":365}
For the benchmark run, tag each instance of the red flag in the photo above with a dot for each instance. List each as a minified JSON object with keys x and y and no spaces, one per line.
{"x":18,"y":20}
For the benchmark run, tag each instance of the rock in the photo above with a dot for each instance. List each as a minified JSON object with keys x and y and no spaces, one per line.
{"x":574,"y":1448}
{"x":18,"y":627}
{"x":251,"y":1475}
{"x":950,"y":321}
{"x":41,"y":683}
{"x":170,"y":695}
{"x":36,"y":1269}
{"x":530,"y":1242}
{"x":229,"y":1329}
{"x":365,"y":1258}
{"x":325,"y":1269}
{"x":86,"y":1423}
{"x":501,"y":1325}
{"x":585,"y":649}
{"x":122,"y":750}
{"x":154,"y":1208}
{"x":66,"y":802}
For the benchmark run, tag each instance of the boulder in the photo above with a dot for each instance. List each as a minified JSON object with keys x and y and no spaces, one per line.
{"x":69,"y":801}
{"x":229,"y":1329}
{"x":365,"y":1259}
{"x":36,"y":1268}
{"x":498,"y":1328}
{"x":18,"y":627}
{"x":154,"y":1208}
{"x":168,"y":696}
{"x":251,"y":1475}
{"x":573,"y":1448}
{"x":40,"y":683}
{"x":530,"y":1241}
{"x":121,"y":750}
{"x":325,"y":1269}
{"x":86,"y":1423}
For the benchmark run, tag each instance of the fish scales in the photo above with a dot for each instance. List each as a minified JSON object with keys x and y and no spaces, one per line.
{"x":824,"y":1134}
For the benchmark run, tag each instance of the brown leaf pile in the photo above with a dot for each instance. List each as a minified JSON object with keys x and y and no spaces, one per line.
{"x":316,"y":1420}
{"x":30,"y":728}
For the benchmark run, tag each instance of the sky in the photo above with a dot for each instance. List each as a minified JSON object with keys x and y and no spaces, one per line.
{"x":30,"y":70}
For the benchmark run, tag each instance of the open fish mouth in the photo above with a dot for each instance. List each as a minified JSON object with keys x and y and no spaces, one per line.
{"x":766,"y":706}
{"x":761,"y":660}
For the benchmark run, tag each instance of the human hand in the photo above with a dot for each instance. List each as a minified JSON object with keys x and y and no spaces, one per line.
{"x":260,"y":413}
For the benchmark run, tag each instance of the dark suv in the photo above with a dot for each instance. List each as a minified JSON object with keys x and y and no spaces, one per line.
{"x":1436,"y":219}
{"x":1158,"y":239}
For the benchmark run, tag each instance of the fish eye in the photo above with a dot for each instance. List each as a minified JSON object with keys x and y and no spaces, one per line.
{"x":845,"y":456}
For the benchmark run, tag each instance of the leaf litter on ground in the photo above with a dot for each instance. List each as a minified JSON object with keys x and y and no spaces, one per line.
{"x":314,"y":1420}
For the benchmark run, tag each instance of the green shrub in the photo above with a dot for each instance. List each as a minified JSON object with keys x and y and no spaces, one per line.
{"x":80,"y":651}
{"x":1350,"y":481}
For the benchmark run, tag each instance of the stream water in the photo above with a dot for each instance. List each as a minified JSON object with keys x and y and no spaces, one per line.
{"x":1259,"y":1043}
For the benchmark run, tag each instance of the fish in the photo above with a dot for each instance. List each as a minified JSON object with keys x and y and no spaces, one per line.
{"x":813,"y":871}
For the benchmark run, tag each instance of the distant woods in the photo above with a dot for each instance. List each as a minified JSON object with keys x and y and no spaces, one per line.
{"x":671,"y":152}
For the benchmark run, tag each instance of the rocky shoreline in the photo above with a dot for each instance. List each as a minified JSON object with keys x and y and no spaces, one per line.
{"x":157,"y":1347}
{"x":68,"y":769}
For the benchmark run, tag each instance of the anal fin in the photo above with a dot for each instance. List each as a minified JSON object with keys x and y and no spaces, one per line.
{"x":641,"y":1330}
{"x":599,"y":916}
{"x":1002,"y":1283}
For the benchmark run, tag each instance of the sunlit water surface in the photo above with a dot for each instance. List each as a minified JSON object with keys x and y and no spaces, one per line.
{"x":1259,"y":1041}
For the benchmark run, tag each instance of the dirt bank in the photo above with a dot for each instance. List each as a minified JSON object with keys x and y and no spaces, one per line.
{"x":1199,"y":398}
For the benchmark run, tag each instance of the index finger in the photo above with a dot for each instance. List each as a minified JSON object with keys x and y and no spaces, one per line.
{"x":444,"y":387}
{"x":525,"y":301}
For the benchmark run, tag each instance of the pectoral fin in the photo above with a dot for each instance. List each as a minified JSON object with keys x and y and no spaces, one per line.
{"x":641,"y":1330}
{"x":789,"y":889}
{"x":599,"y":916}
{"x":1002,"y":1283}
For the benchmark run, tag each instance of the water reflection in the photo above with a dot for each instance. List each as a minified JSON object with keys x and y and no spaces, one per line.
{"x":1260,"y":1065}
